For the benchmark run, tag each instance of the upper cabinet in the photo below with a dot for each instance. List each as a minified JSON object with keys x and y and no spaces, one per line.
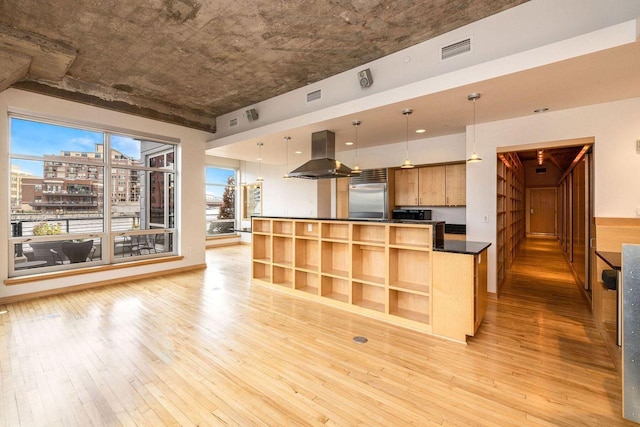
{"x":443,"y":185}
{"x":456,"y":183}
{"x":406,"y":187}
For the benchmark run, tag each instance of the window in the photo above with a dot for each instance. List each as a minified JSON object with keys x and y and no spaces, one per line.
{"x":220,"y":200}
{"x":67,"y":191}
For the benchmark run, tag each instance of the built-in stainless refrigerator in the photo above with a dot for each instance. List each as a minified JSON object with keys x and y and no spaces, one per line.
{"x":368,"y":195}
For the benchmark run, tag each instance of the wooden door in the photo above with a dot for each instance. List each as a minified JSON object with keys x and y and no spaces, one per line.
{"x":456,"y":184}
{"x":406,"y":187}
{"x":432,"y":186}
{"x":542,"y":213}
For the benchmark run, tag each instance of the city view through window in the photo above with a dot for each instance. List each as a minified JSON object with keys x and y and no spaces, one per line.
{"x":72,"y":185}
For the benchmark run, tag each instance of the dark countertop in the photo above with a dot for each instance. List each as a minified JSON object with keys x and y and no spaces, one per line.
{"x":462,"y":247}
{"x":392,"y":221}
{"x":452,"y":246}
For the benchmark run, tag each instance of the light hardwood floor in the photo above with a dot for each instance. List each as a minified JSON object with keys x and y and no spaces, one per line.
{"x":208,"y":348}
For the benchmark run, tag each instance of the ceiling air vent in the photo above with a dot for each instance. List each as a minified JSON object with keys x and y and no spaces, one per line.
{"x":233,"y":122}
{"x":314,"y":96}
{"x":455,"y":49}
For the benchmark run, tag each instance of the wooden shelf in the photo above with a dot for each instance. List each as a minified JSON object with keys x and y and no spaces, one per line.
{"x":369,"y":263}
{"x":307,"y":229}
{"x":369,"y":233}
{"x":283,"y":276}
{"x":369,"y":296}
{"x":261,"y":226}
{"x":283,"y":251}
{"x":335,"y":231}
{"x":410,"y":270}
{"x":334,"y":288}
{"x":409,"y":306}
{"x":261,"y":247}
{"x":410,"y":236}
{"x":306,"y":282}
{"x":307,"y":256}
{"x":335,"y":258}
{"x":261,"y":271}
{"x":282,"y":227}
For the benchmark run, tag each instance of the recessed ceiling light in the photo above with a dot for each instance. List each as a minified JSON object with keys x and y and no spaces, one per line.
{"x":541,"y":110}
{"x":421,"y":130}
{"x":348,"y":143}
{"x":298,"y":152}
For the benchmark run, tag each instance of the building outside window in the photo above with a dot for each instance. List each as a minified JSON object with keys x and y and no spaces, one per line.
{"x":68,"y":192}
{"x":220,"y":192}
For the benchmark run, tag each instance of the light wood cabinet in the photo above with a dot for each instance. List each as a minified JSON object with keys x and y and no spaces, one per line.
{"x":456,"y":184}
{"x":406,"y":187}
{"x":342,"y":198}
{"x":443,"y":185}
{"x":387,"y":271}
{"x":432,"y":182}
{"x":459,"y":293}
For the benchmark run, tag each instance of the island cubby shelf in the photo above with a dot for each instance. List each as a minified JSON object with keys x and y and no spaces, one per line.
{"x":381,"y":270}
{"x":384,"y":270}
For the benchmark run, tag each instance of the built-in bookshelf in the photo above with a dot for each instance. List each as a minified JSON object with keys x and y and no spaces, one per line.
{"x":501,"y":220}
{"x":510,"y":211}
{"x":382,"y":270}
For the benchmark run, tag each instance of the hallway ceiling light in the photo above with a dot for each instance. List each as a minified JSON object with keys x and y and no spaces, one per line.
{"x":407,"y":163}
{"x":260,"y":179}
{"x":474,"y":157}
{"x":356,"y":169}
{"x":421,"y":130}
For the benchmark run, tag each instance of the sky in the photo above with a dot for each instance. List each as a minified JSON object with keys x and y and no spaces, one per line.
{"x":217,"y":176}
{"x":38,"y":139}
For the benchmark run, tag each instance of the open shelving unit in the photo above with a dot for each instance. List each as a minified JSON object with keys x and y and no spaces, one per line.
{"x":382,"y":270}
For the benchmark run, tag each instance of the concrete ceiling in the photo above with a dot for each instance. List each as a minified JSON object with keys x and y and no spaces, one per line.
{"x":188,"y":61}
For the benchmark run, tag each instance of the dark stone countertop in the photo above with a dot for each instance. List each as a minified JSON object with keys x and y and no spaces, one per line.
{"x":360,"y":220}
{"x":462,"y":247}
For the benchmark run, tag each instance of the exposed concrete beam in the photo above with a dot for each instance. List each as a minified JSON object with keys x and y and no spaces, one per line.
{"x":51,"y":60}
{"x":113,"y":99}
{"x":13,"y":66}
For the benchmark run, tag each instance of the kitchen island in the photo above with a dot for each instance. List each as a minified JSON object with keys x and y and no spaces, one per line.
{"x":388,"y":270}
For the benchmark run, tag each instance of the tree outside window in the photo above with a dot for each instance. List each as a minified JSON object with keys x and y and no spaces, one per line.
{"x":220,"y":201}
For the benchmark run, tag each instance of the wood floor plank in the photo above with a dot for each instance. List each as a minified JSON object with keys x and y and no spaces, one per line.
{"x":208,"y":348}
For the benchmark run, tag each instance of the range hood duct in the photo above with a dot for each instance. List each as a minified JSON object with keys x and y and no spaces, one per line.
{"x":322,"y":164}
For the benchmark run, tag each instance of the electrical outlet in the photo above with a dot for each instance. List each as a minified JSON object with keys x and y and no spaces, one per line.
{"x":309,"y":228}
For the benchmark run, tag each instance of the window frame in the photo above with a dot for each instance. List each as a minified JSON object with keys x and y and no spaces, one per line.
{"x":208,"y":184}
{"x":107,"y":236}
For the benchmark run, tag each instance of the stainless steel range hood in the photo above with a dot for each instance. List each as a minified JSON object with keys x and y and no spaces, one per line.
{"x":322,"y":164}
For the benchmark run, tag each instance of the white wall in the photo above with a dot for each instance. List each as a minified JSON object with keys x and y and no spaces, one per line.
{"x":191,"y":242}
{"x":615,"y":127}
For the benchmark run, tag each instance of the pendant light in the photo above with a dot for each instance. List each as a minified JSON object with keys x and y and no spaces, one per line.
{"x":474,"y":157}
{"x":286,"y":140}
{"x":260,"y":178}
{"x":407,"y":163}
{"x":356,"y":170}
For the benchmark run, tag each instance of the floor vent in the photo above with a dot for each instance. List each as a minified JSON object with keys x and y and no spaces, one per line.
{"x":455,"y":49}
{"x":314,"y":96}
{"x":233,"y":122}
